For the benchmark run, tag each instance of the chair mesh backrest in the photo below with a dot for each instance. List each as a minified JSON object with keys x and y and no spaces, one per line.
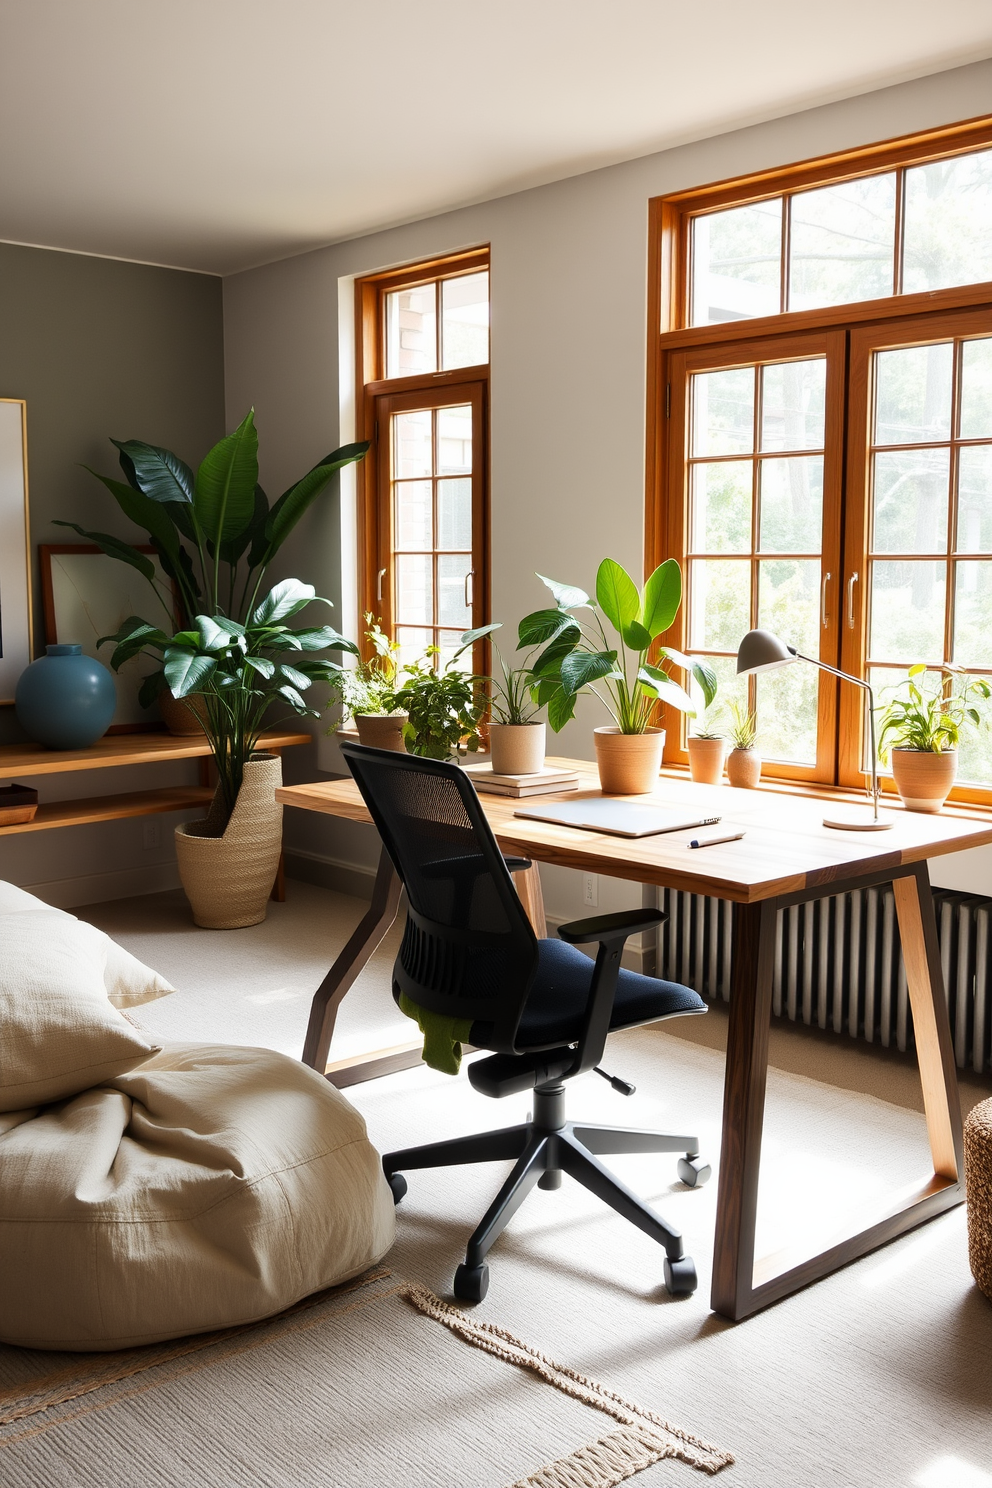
{"x":468,"y":950}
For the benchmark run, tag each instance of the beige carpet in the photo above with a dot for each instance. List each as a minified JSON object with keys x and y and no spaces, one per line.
{"x":302,"y":1398}
{"x":878,"y":1377}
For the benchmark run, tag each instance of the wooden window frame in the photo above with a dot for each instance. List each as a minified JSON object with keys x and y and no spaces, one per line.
{"x":672,"y":342}
{"x":371,"y":385}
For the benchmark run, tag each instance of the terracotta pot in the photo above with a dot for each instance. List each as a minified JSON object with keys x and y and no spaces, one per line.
{"x":517,"y":748}
{"x":744,"y":768}
{"x":924,"y":780}
{"x":228,"y":878}
{"x":182,"y":716}
{"x":628,"y":763}
{"x":706,"y":760}
{"x":382,"y":730}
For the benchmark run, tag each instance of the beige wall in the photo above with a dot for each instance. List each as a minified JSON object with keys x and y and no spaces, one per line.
{"x":568,"y":362}
{"x":99,"y":348}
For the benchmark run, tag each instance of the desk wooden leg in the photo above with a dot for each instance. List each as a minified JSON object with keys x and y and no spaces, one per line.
{"x":934,"y":1050}
{"x":743,"y":1105}
{"x":531,"y":896}
{"x":365,"y":939}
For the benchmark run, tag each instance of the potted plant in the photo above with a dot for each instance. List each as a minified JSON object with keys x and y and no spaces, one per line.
{"x":237,"y":655}
{"x":743,"y":761}
{"x":923,"y":730}
{"x":517,"y":737}
{"x":214,"y":533}
{"x":444,"y":704}
{"x":368,"y":692}
{"x":578,"y":655}
{"x":706,"y":751}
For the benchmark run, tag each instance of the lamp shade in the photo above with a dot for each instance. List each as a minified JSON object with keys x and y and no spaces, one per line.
{"x":763,"y":651}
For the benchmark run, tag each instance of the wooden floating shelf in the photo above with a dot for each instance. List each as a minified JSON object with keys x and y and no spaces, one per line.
{"x":113,"y":808}
{"x":115,"y":750}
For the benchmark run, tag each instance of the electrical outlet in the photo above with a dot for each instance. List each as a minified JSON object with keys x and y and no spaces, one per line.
{"x":590,"y":889}
{"x":152,"y":834}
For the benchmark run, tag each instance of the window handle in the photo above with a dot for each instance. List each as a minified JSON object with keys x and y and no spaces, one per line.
{"x":378,"y":586}
{"x":823,"y":599}
{"x":850,"y":600}
{"x":469,"y":588}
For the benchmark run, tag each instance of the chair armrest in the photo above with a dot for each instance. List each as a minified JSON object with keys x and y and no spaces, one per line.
{"x":612,"y":926}
{"x":517,"y":865}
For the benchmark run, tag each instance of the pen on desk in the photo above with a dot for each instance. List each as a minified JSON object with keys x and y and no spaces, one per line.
{"x":712,"y":841}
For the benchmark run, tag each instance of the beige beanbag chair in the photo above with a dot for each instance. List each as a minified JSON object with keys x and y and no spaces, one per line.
{"x":146,"y":1193}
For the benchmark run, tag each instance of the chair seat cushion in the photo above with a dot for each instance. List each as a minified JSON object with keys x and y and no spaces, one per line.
{"x":209,"y":1186}
{"x":558,"y":997}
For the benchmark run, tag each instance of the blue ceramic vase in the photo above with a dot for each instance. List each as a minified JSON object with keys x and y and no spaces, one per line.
{"x":65,"y":700}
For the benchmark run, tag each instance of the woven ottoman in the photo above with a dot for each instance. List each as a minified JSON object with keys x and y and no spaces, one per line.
{"x":978,"y":1182}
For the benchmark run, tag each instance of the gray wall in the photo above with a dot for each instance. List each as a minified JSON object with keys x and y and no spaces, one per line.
{"x":97,"y":348}
{"x":569,"y":269}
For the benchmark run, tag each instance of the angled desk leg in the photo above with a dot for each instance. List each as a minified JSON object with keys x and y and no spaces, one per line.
{"x":740,"y":1286}
{"x":365,"y":940}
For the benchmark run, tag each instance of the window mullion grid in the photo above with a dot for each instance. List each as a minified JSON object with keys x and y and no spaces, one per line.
{"x":752,"y":681}
{"x":785,"y":269}
{"x":435,"y":563}
{"x":950,"y":595}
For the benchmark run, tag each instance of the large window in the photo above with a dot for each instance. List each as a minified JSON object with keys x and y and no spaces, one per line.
{"x":820,"y":456}
{"x":424,"y":381}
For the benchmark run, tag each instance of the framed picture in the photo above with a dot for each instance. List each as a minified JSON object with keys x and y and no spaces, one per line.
{"x":85,"y":595}
{"x":15,"y":552}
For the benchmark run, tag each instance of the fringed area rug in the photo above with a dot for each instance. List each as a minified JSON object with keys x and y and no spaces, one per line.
{"x":355,"y":1387}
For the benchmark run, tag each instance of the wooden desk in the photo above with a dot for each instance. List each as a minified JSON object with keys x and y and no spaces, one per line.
{"x":786,"y":858}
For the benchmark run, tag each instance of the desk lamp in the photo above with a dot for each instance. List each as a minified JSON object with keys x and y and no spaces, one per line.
{"x":762,"y":651}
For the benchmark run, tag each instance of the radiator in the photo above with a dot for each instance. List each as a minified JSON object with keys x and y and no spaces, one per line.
{"x":838,"y":964}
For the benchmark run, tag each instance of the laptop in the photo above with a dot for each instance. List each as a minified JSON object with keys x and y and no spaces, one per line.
{"x":619,"y":818}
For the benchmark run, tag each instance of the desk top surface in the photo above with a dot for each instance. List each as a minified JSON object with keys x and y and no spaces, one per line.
{"x":786,"y":848}
{"x":120,"y":749}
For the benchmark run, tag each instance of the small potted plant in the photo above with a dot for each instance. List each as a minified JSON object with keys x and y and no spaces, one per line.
{"x":368,"y":692}
{"x":743,"y":761}
{"x":517,"y":737}
{"x":706,"y":752}
{"x":444,"y":705}
{"x":923,"y":730}
{"x":578,"y":655}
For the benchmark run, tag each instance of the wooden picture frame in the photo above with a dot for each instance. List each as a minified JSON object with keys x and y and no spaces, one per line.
{"x":16,"y":637}
{"x":86,"y":594}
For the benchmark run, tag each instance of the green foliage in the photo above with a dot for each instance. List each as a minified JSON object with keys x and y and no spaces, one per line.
{"x":215,"y":533}
{"x":743,"y":728}
{"x":445,"y":705}
{"x":577,"y":654}
{"x":371,"y":686}
{"x":513,"y":692}
{"x":931,"y":721}
{"x":240,"y":670}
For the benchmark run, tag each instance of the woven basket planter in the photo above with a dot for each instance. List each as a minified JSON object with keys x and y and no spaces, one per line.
{"x":182,"y":716}
{"x":228,"y":879}
{"x":978,"y":1183}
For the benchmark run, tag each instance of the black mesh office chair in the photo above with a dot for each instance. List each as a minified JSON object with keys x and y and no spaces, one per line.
{"x":543,"y":1007}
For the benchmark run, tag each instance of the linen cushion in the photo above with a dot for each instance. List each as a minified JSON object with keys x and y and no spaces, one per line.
{"x":59,"y":1034}
{"x":207,"y":1187}
{"x":129,"y":982}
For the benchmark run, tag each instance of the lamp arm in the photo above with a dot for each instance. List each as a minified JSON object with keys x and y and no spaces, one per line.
{"x":858,"y":682}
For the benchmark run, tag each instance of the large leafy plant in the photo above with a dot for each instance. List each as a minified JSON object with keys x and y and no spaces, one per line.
{"x":215,"y":532}
{"x":931,"y":721}
{"x":579,"y":657}
{"x":240,"y":671}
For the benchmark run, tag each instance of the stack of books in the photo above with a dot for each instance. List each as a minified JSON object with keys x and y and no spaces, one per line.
{"x":545,"y":783}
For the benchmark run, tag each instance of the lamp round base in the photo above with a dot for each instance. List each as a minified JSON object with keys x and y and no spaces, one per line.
{"x":858,"y":823}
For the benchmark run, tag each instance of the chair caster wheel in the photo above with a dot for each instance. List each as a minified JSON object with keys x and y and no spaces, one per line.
{"x":398,"y":1184}
{"x":694,"y":1171}
{"x":471,"y":1283}
{"x":680,"y":1277}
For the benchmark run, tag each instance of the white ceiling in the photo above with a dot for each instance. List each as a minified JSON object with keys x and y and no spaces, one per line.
{"x":218,"y":134}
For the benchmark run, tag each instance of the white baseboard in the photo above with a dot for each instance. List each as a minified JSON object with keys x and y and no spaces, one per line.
{"x":95,"y":888}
